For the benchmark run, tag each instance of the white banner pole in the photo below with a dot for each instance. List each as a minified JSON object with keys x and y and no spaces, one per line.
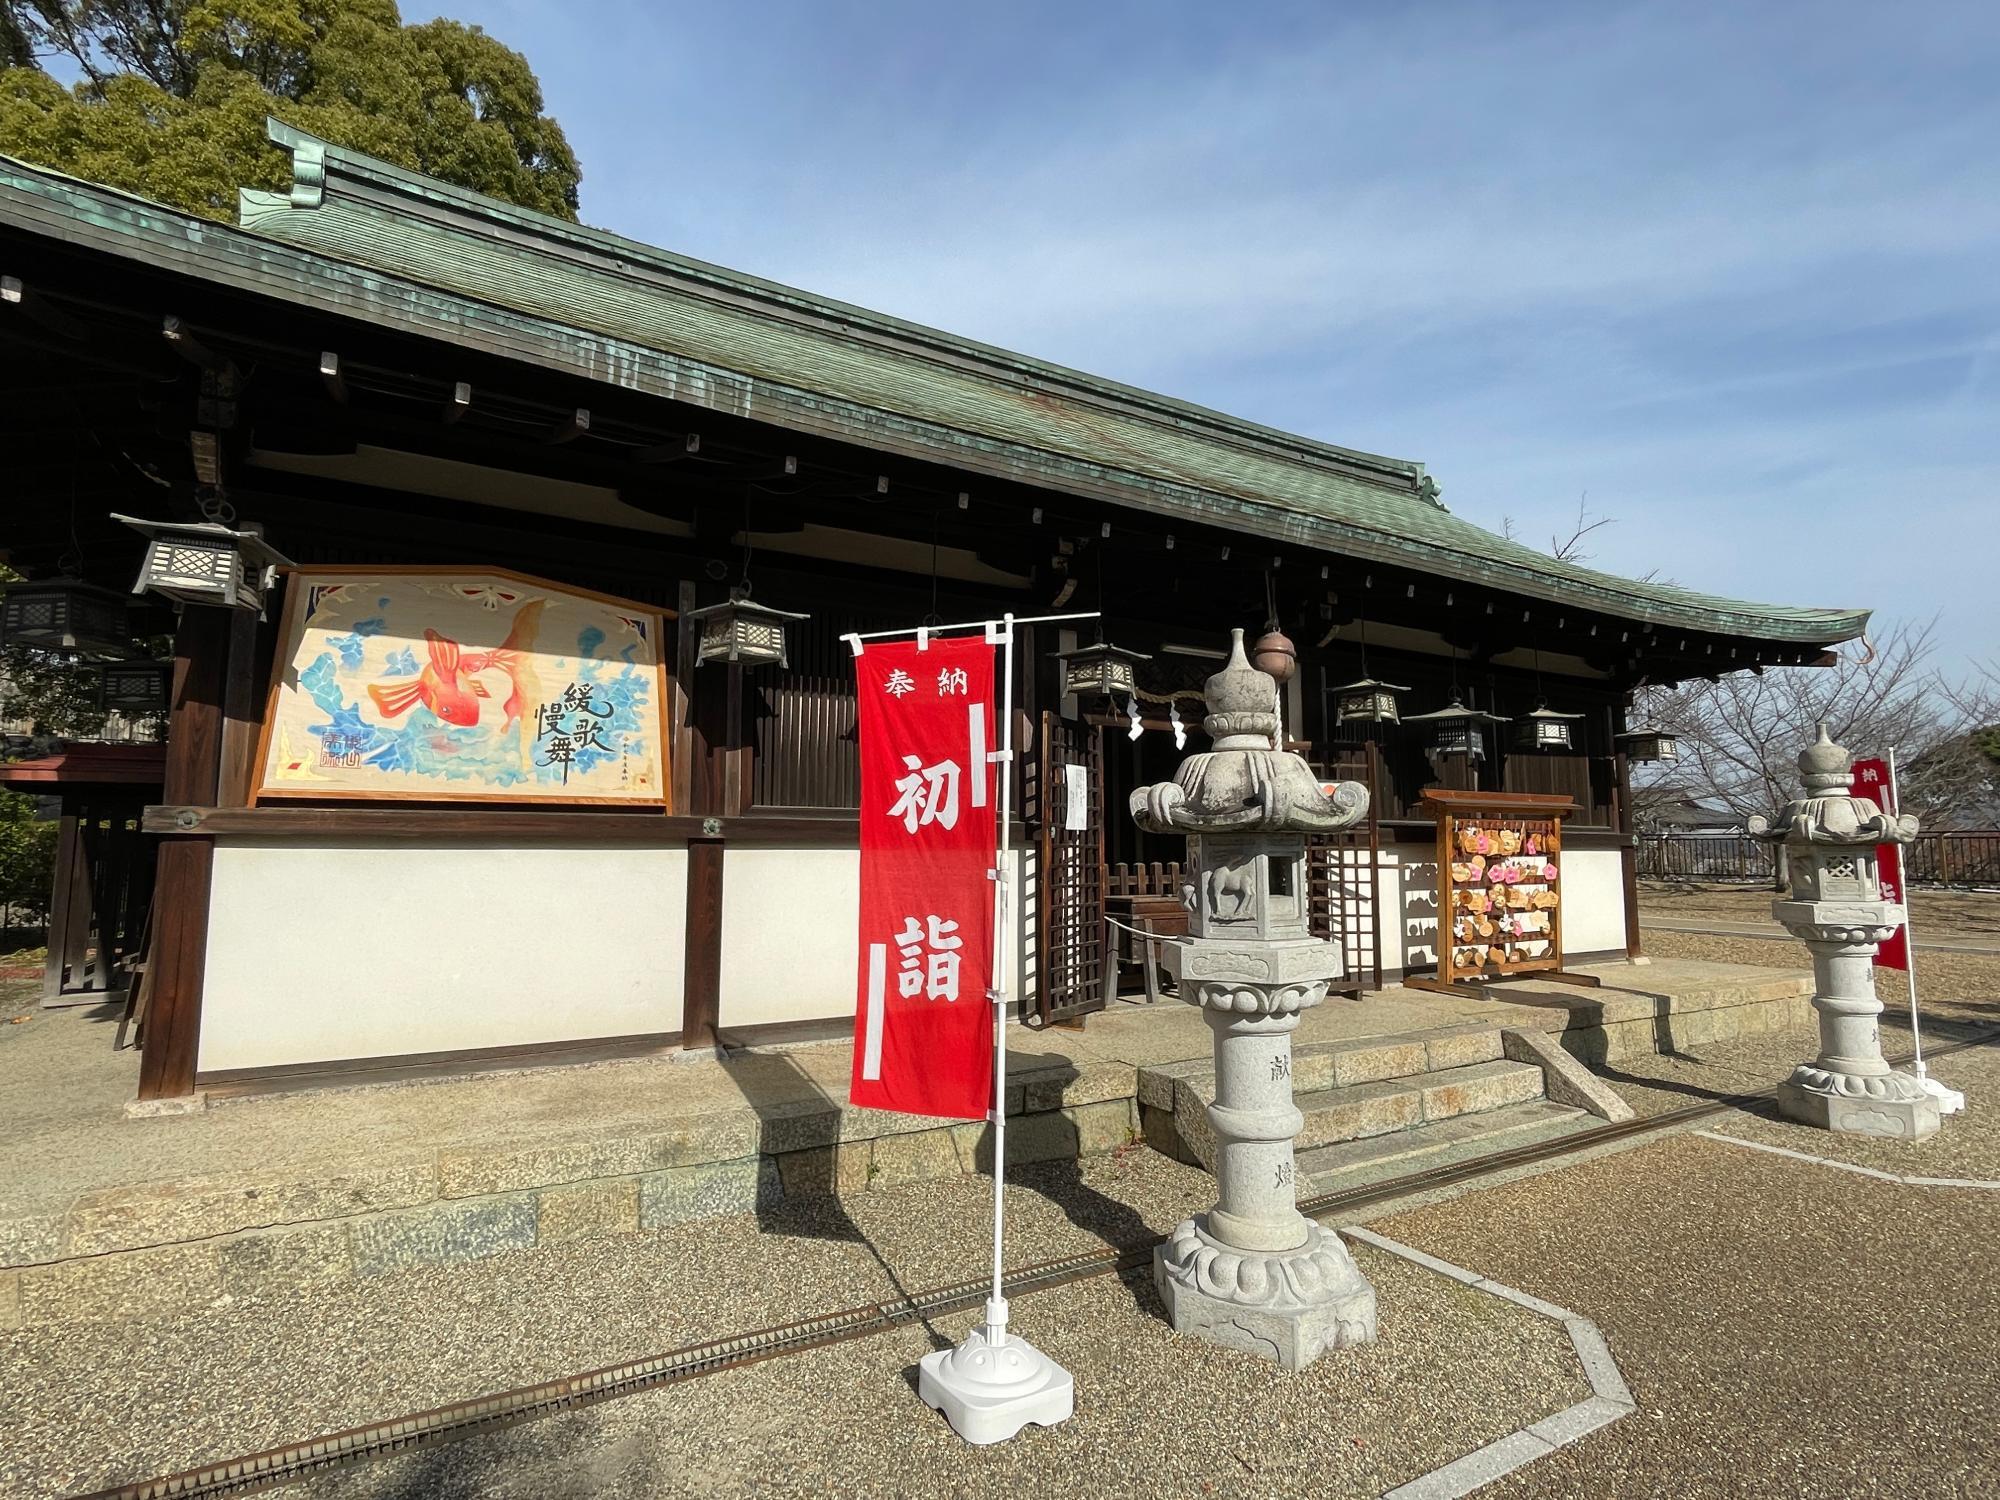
{"x":1895,"y":808}
{"x":1003,"y":910}
{"x":990,"y":1386}
{"x":1950,"y":1100}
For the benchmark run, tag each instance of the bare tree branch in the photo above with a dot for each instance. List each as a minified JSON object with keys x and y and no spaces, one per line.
{"x":1568,"y":549}
{"x":1739,"y":736}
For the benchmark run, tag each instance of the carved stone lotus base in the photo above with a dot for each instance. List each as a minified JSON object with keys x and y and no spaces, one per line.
{"x":1289,"y":1306}
{"x":1884,"y":1104}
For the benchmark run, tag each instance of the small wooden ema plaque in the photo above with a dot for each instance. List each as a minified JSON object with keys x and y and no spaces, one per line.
{"x":1500,"y":892}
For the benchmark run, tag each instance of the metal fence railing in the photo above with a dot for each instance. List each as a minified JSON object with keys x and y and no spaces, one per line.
{"x":1968,"y":858}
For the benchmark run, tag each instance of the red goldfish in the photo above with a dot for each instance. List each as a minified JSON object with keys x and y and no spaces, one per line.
{"x":516,"y":658}
{"x":446,"y":687}
{"x":513,"y":659}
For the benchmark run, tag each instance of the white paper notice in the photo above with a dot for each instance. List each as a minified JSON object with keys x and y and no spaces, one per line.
{"x":1076,"y":799}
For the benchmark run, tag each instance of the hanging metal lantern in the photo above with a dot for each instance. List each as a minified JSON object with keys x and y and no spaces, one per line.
{"x":65,"y":614}
{"x":134,"y":688}
{"x":1648,"y":744}
{"x":1099,"y":671}
{"x":1456,"y":729}
{"x":742,"y":632}
{"x":205,"y":562}
{"x":1367,"y":702}
{"x":1545,"y":729}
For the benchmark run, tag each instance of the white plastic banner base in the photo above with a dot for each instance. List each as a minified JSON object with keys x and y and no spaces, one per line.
{"x":989,"y":1392}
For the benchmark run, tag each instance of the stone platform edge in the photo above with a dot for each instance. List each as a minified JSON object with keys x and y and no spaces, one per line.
{"x":131,"y":1251}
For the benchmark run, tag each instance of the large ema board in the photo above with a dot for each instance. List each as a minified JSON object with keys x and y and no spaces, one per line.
{"x":456,"y":685}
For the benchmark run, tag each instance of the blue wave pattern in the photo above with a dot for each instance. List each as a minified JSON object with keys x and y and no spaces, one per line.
{"x":420,"y":744}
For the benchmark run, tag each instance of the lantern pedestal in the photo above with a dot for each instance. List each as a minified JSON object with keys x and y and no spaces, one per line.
{"x":1253,"y":1273}
{"x":1850,"y":1086}
{"x":994,"y":1384}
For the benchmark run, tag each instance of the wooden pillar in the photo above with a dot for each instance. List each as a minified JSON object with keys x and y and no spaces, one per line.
{"x":180,"y":890}
{"x":701,"y":988}
{"x":68,"y":895}
{"x":709,"y":795}
{"x":242,"y":713}
{"x":1628,"y":852}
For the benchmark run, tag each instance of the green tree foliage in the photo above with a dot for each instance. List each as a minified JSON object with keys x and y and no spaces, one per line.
{"x":27,"y":856}
{"x":173,"y":95}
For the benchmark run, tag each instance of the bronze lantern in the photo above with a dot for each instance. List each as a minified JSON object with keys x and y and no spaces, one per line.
{"x":742,"y":632}
{"x":1545,"y":729}
{"x":136,"y":689}
{"x":1456,"y":729}
{"x":1099,"y":671}
{"x":1648,"y":744}
{"x":205,"y":562}
{"x":64,"y":614}
{"x":1368,"y":702}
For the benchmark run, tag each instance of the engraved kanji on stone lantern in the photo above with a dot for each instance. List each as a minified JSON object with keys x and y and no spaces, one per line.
{"x":1253,"y":1273}
{"x":1835,"y":908}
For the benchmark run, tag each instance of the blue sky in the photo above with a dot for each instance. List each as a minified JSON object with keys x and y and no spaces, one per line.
{"x":1730,"y":271}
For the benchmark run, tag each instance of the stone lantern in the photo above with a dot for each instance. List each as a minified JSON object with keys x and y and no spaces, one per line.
{"x":1253,"y":1273}
{"x":1835,"y":908}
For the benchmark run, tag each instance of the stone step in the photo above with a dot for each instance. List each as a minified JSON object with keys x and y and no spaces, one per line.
{"x":1357,"y":1163}
{"x":1326,"y":1065}
{"x":1367,"y":1109}
{"x":1354,"y":1111}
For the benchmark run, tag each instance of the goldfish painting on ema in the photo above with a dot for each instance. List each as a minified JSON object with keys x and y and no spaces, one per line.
{"x":516,"y":658}
{"x":482,"y":684}
{"x":446,"y":687}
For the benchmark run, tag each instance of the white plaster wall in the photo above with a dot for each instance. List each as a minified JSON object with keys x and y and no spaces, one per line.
{"x":791,"y":934}
{"x":791,"y":922}
{"x":1594,"y":913}
{"x":349,"y":948}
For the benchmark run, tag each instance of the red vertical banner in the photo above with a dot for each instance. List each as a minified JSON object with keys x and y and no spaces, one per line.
{"x":923,"y":1025}
{"x":1871,"y":780}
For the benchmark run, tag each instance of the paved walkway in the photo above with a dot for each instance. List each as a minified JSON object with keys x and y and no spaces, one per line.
{"x":1726,"y":927}
{"x":63,"y":1090}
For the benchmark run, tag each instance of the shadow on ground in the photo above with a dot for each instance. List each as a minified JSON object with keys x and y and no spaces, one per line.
{"x":806,"y":1200}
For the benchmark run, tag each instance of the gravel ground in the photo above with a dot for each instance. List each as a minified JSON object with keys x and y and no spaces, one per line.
{"x":1972,"y":915}
{"x":1787,"y":1330}
{"x":19,"y":998}
{"x":86,"y":1407}
{"x":1654,"y":1083}
{"x":1967,"y":1146}
{"x":1156,"y":1415}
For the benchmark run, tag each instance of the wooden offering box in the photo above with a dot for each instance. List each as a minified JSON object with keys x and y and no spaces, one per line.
{"x":1500,"y":892}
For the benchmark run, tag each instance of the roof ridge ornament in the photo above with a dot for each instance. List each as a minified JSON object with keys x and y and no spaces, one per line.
{"x":308,"y":174}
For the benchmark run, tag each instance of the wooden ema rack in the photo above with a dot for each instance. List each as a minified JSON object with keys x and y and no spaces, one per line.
{"x":1516,"y":832}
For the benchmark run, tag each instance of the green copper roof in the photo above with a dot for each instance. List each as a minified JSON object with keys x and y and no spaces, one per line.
{"x":378,"y":242}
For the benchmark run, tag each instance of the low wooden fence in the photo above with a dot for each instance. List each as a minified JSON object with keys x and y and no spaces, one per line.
{"x":1969,"y":858}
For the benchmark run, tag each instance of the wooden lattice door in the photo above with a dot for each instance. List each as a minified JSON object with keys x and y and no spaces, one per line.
{"x":1342,"y":877}
{"x":1067,"y":790}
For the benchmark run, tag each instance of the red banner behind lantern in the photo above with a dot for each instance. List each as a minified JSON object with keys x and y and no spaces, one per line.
{"x":1871,"y":780}
{"x":923,"y":1029}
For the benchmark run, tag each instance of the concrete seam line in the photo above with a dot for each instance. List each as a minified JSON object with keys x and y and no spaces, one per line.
{"x":1848,"y":1166}
{"x":1609,"y":1400}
